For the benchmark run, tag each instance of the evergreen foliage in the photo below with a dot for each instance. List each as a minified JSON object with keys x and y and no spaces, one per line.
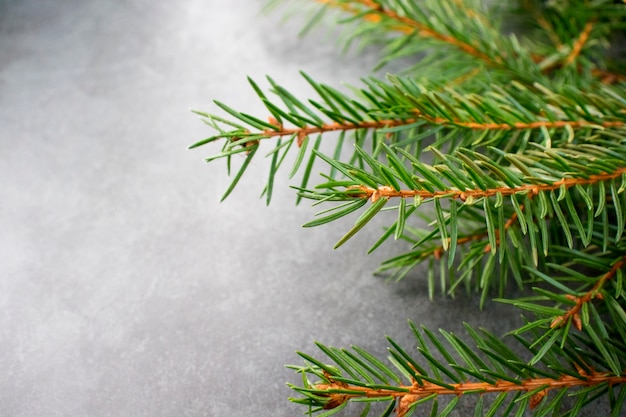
{"x":512,"y":147}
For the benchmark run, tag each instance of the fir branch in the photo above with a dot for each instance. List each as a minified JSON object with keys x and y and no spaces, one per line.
{"x":339,"y":392}
{"x":426,"y":31}
{"x":279,"y":131}
{"x":403,"y":103}
{"x":532,"y":189}
{"x":470,"y":184}
{"x":375,"y":12}
{"x":358,"y":376}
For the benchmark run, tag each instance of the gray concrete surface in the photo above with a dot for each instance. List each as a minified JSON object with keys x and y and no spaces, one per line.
{"x":126,"y":288}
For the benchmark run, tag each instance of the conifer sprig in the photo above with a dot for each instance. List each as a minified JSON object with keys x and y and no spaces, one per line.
{"x":430,"y":21}
{"x":408,"y":112}
{"x":445,"y":365}
{"x":410,"y":19}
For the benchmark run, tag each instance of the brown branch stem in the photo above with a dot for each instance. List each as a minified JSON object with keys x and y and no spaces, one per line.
{"x":580,"y":42}
{"x":301,"y":132}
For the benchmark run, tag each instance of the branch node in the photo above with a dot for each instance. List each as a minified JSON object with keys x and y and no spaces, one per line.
{"x":301,"y":137}
{"x":404,"y":404}
{"x":536,"y":398}
{"x":275,"y":122}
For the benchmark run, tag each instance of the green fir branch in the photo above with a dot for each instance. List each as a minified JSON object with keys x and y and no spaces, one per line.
{"x":490,"y":368}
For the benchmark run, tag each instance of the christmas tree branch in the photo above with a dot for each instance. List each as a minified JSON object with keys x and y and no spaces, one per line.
{"x":358,"y":376}
{"x":279,"y":131}
{"x":375,"y":12}
{"x":532,"y":189}
{"x":427,"y":32}
{"x":400,"y":103}
{"x":549,"y":179}
{"x":339,"y":392}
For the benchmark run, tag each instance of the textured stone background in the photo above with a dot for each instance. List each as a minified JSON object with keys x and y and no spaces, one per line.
{"x":126,"y":288}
